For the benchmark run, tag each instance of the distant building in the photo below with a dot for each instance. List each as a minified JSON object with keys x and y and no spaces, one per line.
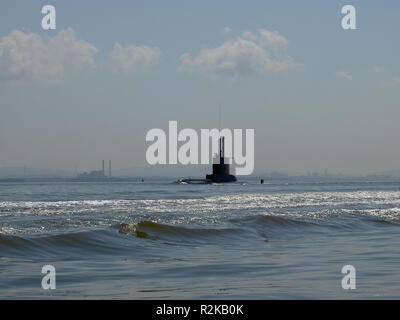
{"x":95,"y":174}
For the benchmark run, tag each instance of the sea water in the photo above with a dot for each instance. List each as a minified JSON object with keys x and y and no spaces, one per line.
{"x":159,"y":240}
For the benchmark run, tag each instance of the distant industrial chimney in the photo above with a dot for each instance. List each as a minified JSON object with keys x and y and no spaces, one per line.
{"x":103,"y":167}
{"x":109,"y":169}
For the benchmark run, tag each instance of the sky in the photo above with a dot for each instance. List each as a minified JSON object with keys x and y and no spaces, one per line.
{"x":318,"y":96}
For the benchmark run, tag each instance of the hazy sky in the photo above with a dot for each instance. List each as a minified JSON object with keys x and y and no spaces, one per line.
{"x":319,"y":97}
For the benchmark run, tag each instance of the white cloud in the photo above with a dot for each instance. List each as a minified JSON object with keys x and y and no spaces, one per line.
{"x":226,"y":31}
{"x":343,"y":75}
{"x":31,"y":56}
{"x":267,"y":39}
{"x":128,"y":58}
{"x":252,"y":53}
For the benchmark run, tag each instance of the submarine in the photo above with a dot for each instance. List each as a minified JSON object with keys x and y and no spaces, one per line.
{"x":220,"y":170}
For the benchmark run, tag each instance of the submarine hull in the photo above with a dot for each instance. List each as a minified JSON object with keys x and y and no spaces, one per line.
{"x":218,"y":178}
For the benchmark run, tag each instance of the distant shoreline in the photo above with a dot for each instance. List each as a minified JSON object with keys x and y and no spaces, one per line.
{"x":59,"y":179}
{"x":294,"y":179}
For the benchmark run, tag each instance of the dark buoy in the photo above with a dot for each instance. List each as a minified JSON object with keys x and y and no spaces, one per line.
{"x":262,"y":181}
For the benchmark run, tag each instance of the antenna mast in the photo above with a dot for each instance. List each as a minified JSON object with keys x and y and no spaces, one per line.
{"x":219,"y":119}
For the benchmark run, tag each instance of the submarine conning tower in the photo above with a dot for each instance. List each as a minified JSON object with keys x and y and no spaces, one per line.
{"x":221,"y":169}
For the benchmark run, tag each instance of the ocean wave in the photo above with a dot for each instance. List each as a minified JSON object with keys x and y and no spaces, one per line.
{"x":160,"y":231}
{"x":71,"y":244}
{"x":269,"y":220}
{"x":272,"y":212}
{"x":126,"y":238}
